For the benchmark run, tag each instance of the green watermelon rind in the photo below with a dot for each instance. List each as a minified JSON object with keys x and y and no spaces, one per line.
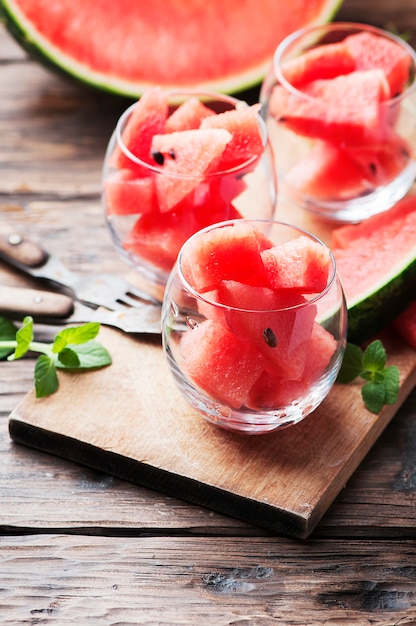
{"x":39,"y":49}
{"x":372,"y":312}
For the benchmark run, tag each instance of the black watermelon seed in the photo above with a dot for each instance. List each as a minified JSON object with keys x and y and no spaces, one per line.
{"x":270,"y":338}
{"x":158,"y":157}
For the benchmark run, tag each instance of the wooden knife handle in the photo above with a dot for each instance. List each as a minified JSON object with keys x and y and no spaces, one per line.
{"x":23,"y":301}
{"x":21,"y":249}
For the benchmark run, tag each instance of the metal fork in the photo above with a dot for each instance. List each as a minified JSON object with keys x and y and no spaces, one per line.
{"x":59,"y":309}
{"x":112,"y":292}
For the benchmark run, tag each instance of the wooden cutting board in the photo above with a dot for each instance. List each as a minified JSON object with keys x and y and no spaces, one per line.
{"x":130,"y":421}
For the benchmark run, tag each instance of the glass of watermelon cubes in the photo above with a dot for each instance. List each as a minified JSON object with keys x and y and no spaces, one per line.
{"x":340,"y":107}
{"x":178,"y":162}
{"x":254,"y":324}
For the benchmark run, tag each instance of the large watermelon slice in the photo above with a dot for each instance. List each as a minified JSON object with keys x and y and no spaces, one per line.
{"x":126,"y":46}
{"x":377,"y":264}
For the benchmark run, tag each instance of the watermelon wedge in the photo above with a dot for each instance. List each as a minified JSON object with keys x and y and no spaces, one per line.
{"x":377,"y":264}
{"x":126,"y":47}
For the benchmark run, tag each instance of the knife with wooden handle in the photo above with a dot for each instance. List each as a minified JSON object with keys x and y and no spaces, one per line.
{"x":58,"y":309}
{"x":25,"y":301}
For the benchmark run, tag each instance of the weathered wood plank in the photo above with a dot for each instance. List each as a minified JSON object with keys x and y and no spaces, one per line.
{"x":173,"y":580}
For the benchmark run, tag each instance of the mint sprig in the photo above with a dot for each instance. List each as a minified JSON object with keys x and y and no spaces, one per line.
{"x":382,"y":382}
{"x":73,"y":348}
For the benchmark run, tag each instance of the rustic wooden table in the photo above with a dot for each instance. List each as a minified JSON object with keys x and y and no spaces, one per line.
{"x":80,"y":547}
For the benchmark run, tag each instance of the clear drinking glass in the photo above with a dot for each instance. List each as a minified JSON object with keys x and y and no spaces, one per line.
{"x":151,"y":211}
{"x":248,"y":357}
{"x":339,"y":103}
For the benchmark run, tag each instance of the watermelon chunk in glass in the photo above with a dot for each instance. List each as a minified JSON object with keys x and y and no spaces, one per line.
{"x":148,"y":118}
{"x":221,"y":363}
{"x":301,"y":265}
{"x":126,"y":194}
{"x":188,"y":115}
{"x":345,"y":109}
{"x":158,"y":237}
{"x":332,"y":172}
{"x":186,"y":157}
{"x":275,"y":325}
{"x":322,"y":62}
{"x":231,"y":252}
{"x":246,"y":142}
{"x":371,"y":51}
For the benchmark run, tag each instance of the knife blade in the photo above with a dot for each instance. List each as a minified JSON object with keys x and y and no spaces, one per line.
{"x":97,"y":289}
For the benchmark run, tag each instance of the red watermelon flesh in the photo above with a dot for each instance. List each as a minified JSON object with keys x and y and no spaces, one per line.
{"x":386,"y":225}
{"x":271,"y":391}
{"x":126,"y":194}
{"x":365,"y":252}
{"x":231,"y":252}
{"x":372,"y":51}
{"x":328,"y":172}
{"x":278,"y":331}
{"x":187,"y":156}
{"x":246,"y":140}
{"x":147,"y":119}
{"x":127,"y":46}
{"x":222,"y":364}
{"x":331,"y":172}
{"x":346,"y":109}
{"x":158,"y":237}
{"x":301,"y":265}
{"x":405,"y":325}
{"x":322,"y":62}
{"x":288,"y":351}
{"x":188,"y":115}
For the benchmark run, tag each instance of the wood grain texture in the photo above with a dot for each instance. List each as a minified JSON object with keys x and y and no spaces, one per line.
{"x":175,"y":581}
{"x":113,"y":552}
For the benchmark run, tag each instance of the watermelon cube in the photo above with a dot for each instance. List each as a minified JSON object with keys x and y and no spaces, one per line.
{"x":231,"y":252}
{"x":184,"y":158}
{"x":332,"y":172}
{"x":158,"y":237}
{"x":371,"y":51}
{"x":321,"y":350}
{"x":147,"y":119}
{"x":273,"y":322}
{"x":322,"y":62}
{"x":246,"y":142}
{"x":222,"y":364}
{"x":301,"y":264}
{"x":188,"y":115}
{"x":271,"y":392}
{"x":346,"y":109}
{"x":125,"y":194}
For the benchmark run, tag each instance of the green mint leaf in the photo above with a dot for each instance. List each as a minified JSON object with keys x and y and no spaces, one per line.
{"x":375,"y":377}
{"x":374,"y":357}
{"x":46,"y":379}
{"x":7,"y":333}
{"x":76,"y":335}
{"x":374,"y":395}
{"x":391,"y":384}
{"x":24,"y":337}
{"x":351,"y":364}
{"x":68,"y":358}
{"x":91,"y":354}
